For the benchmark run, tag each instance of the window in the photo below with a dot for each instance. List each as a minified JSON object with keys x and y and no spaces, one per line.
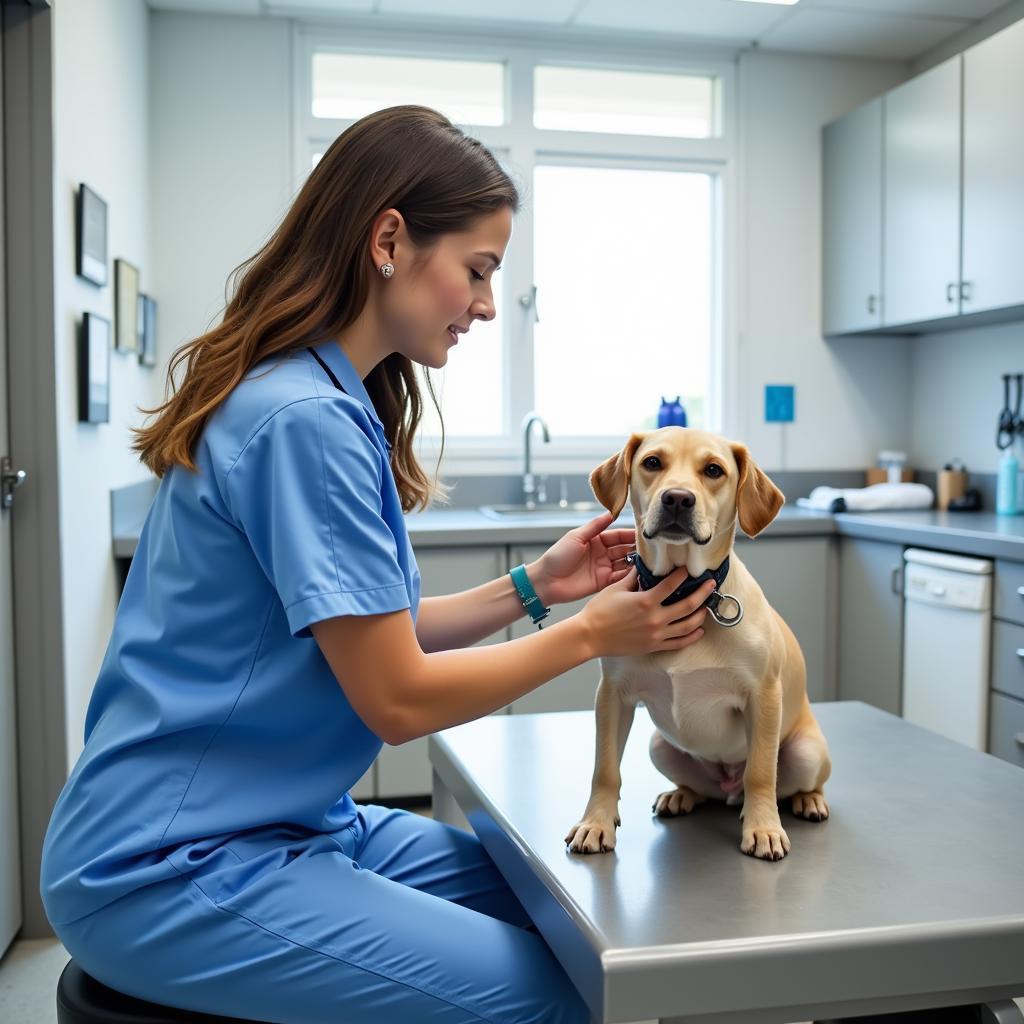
{"x":351,"y":85}
{"x":622,"y":260}
{"x":631,"y":102}
{"x":614,"y":284}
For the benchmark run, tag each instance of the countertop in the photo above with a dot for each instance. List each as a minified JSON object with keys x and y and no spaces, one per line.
{"x":983,"y":534}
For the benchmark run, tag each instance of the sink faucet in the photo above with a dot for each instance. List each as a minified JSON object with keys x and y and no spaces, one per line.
{"x":529,"y":484}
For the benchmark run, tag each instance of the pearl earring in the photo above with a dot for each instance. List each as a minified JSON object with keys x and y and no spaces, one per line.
{"x":387,"y":269}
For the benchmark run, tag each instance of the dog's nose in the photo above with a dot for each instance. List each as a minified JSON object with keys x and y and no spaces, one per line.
{"x":677,"y":498}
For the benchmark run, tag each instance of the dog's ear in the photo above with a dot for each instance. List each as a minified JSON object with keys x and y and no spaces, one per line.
{"x":610,"y":481}
{"x":758,"y":500}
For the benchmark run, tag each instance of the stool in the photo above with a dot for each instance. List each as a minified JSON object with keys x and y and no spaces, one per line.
{"x":81,"y":999}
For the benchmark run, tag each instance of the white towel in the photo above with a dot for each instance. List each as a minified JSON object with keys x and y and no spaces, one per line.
{"x":863,"y":499}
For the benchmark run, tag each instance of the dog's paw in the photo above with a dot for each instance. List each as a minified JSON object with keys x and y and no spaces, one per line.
{"x":769,"y":842}
{"x":811,"y":806}
{"x":594,"y":834}
{"x":677,"y":801}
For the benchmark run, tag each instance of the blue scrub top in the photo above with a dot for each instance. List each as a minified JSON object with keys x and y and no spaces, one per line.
{"x":214,"y":711}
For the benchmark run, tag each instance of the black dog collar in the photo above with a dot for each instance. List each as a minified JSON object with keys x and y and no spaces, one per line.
{"x":648,"y":579}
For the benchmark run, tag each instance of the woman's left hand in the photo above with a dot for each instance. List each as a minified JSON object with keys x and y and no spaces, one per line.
{"x":582,"y":562}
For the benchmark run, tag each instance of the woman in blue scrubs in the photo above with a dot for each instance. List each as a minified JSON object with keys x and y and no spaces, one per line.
{"x":205,"y":852}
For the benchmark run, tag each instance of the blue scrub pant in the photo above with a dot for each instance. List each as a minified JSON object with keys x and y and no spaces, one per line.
{"x":396,"y":918}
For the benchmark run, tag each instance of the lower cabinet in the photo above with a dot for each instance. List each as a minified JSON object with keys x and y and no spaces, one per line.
{"x":1006,"y":728}
{"x":871,"y":623}
{"x":404,"y":770}
{"x":573,"y":690}
{"x":796,"y":575}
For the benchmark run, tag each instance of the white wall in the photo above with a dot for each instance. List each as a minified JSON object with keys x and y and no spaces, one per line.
{"x":221,"y":150}
{"x":100,"y":97}
{"x":850,"y":394}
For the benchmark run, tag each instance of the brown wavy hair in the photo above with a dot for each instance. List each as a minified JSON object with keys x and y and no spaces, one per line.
{"x":312,"y":279}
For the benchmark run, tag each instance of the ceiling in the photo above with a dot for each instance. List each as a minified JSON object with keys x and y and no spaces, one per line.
{"x":893,"y":29}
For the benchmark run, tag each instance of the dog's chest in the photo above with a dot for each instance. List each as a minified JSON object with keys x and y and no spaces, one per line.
{"x":700,"y":710}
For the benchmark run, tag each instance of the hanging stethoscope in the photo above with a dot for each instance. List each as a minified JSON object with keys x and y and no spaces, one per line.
{"x":1010,"y":422}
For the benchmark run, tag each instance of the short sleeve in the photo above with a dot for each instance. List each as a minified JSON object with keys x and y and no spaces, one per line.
{"x":306,"y":491}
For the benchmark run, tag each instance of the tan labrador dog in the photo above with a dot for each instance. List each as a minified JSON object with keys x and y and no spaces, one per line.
{"x":731,"y":711}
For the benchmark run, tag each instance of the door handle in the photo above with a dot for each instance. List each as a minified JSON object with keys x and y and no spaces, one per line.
{"x":894,"y":580}
{"x":10,"y":480}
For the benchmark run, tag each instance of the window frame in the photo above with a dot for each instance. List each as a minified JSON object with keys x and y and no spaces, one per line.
{"x":524,"y":147}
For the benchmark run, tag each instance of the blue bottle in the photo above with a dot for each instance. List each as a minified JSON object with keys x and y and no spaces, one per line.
{"x":1006,"y":484}
{"x":671,"y":414}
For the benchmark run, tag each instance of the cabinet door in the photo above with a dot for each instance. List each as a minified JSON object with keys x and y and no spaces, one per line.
{"x":573,"y":690}
{"x":871,"y":623}
{"x":795,"y":574}
{"x":922,"y":197}
{"x":404,"y":770}
{"x":852,"y":221}
{"x":993,"y":222}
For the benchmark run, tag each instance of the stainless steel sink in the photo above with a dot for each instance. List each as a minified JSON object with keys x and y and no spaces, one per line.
{"x":572,"y":509}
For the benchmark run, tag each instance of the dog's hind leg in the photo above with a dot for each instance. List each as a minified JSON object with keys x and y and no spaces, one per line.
{"x":804,"y":766}
{"x":693,"y":784}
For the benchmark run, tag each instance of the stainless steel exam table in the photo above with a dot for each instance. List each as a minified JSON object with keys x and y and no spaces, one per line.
{"x":910,"y":897}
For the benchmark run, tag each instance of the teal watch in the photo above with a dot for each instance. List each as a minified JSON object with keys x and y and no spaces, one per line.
{"x":531,"y":602}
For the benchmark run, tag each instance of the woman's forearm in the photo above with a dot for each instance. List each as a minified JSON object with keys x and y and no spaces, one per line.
{"x":460,"y":620}
{"x":456,"y":686}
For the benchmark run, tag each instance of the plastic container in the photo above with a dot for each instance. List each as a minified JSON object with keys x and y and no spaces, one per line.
{"x":1006,"y":485}
{"x":671,"y":414}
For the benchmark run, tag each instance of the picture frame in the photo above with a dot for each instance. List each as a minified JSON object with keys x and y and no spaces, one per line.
{"x":94,"y":369}
{"x":126,"y":306}
{"x":147,"y":330}
{"x":91,"y":236}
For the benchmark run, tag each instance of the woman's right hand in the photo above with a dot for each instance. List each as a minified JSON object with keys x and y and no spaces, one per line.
{"x":620,"y":620}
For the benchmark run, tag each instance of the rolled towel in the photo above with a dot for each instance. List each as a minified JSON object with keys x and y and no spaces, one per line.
{"x":864,"y":499}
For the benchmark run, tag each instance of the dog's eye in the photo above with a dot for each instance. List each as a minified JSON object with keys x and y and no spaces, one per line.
{"x":714,"y":471}
{"x":651,"y":462}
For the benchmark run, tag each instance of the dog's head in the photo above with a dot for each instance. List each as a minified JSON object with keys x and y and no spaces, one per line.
{"x":686,"y":485}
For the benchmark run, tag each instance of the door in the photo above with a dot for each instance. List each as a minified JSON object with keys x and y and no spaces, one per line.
{"x":922,"y":197}
{"x":871,"y":622}
{"x":852,"y":235}
{"x":404,"y":770}
{"x":993,"y":171}
{"x":10,"y":842}
{"x":574,"y":690}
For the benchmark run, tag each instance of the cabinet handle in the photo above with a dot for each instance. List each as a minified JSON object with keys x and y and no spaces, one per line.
{"x":872,"y":303}
{"x":950,"y":288}
{"x":894,"y":580}
{"x":965,"y":291}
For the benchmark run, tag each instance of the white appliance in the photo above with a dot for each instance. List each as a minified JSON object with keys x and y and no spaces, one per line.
{"x":947,"y":601}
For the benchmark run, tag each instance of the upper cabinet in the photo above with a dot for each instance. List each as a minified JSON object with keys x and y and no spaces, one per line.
{"x":944,"y":197}
{"x":921,"y":240}
{"x":852,"y":170}
{"x":993,"y":225}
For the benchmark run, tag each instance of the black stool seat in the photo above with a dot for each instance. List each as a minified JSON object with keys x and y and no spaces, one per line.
{"x":81,"y":999}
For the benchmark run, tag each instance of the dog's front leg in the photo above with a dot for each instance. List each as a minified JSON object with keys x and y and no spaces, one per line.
{"x":595,"y":832}
{"x":763,"y":834}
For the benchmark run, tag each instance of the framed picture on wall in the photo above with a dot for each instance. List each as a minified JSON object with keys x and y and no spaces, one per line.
{"x":147,"y":330}
{"x":94,"y":370}
{"x":126,"y":306}
{"x":91,"y":245}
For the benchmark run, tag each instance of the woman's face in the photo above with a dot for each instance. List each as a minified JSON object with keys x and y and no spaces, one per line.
{"x":436,"y":293}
